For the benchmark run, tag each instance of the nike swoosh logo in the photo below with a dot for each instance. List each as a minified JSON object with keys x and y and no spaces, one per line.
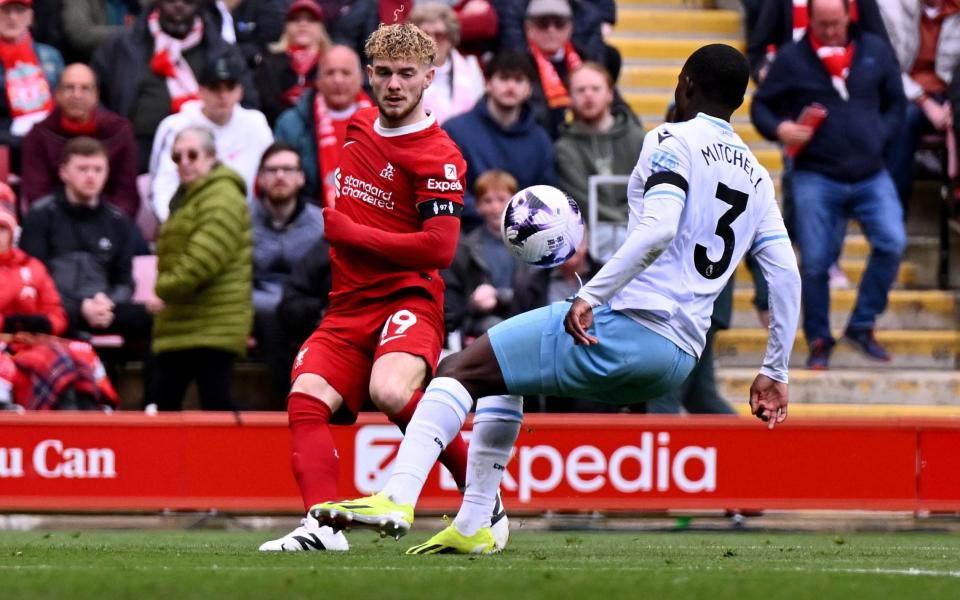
{"x":392,"y":337}
{"x":348,"y":142}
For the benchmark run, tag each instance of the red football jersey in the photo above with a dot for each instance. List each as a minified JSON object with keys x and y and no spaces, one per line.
{"x":384,"y":175}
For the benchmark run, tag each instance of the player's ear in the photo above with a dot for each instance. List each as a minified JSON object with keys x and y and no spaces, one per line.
{"x":428,"y":79}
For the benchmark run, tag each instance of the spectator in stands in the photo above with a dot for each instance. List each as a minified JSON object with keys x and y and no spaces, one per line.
{"x":148,"y":71}
{"x":29,"y":72}
{"x":486,"y":283}
{"x":549,"y":27}
{"x":567,"y":279}
{"x":926,"y":38}
{"x":289,"y":70}
{"x":203,"y":277}
{"x":603,"y":139}
{"x":501,"y":131}
{"x":458,"y":80}
{"x":242,"y":134}
{"x":305,"y":294}
{"x":87,"y":245}
{"x":87,"y":23}
{"x":839,"y":170}
{"x":338,"y":95}
{"x":590,"y":20}
{"x":77,"y":114}
{"x":350,"y":22}
{"x":779,"y":22}
{"x":28,"y":297}
{"x":250,"y":24}
{"x":285,"y":225}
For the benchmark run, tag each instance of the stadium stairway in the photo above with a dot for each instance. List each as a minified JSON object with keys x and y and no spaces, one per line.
{"x":920,"y":327}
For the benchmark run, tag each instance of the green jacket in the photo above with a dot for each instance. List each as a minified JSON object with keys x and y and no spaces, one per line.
{"x":580,"y":154}
{"x":204,"y":268}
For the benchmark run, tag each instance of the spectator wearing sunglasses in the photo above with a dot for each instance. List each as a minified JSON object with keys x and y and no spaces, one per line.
{"x":203,"y":277}
{"x":241,"y":134}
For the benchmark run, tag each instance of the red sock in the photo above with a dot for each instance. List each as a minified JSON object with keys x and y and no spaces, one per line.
{"x":313,"y":455}
{"x":454,"y":457}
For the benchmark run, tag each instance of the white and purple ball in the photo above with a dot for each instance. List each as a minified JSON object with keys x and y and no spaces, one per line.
{"x":542,"y":226}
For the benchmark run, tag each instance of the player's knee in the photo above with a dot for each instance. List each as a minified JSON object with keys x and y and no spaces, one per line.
{"x":309,"y":389}
{"x":389,"y":395}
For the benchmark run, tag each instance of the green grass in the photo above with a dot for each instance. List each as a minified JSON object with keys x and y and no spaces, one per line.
{"x":609,"y":566}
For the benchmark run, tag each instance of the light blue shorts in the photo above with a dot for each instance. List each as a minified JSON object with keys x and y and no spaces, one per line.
{"x":630,"y":364}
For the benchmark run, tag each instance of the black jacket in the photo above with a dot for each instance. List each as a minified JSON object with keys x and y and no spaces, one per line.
{"x":774,"y":27}
{"x":306,"y":294}
{"x":273,"y":78}
{"x":257,"y":23}
{"x":86,"y":250}
{"x":121,"y":61}
{"x":849,"y":144}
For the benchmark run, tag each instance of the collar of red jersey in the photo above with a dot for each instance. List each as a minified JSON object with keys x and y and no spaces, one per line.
{"x":406,"y":129}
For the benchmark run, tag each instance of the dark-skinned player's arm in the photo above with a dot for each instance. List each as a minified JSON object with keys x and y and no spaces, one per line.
{"x":771,"y":247}
{"x":431,"y":248}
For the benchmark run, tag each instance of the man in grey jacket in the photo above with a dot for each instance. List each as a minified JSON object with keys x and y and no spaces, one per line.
{"x":285,"y":226}
{"x":603,"y":139}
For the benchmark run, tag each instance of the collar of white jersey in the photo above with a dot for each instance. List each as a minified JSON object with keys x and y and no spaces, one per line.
{"x":406,"y":129}
{"x":718,"y":122}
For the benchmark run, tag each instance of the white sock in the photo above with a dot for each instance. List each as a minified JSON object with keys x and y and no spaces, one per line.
{"x":496,"y":426}
{"x":437,"y":420}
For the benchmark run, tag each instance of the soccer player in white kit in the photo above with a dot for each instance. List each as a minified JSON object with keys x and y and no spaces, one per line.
{"x":699,"y":201}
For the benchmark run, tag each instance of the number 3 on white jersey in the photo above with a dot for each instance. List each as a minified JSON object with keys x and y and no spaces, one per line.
{"x":402,"y":320}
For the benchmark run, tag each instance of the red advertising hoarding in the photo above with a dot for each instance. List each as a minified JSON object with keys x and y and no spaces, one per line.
{"x":201,"y":461}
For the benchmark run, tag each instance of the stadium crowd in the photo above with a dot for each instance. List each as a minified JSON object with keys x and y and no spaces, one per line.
{"x":168,"y":160}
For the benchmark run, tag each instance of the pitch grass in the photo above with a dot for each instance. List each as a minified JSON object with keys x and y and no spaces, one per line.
{"x":547,"y":565}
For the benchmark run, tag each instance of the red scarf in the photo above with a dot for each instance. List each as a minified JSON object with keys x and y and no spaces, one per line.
{"x":801,"y":18}
{"x":169,"y":63}
{"x":28,"y":93}
{"x":302,"y":60}
{"x":330,"y":137}
{"x":74,"y":128}
{"x":553,"y":87}
{"x":836,"y":60}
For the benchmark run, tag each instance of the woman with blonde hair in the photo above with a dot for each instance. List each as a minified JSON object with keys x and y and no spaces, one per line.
{"x":290,"y":68}
{"x":458,"y":82}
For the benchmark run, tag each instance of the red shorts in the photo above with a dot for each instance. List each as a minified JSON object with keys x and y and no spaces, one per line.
{"x":351,"y":337}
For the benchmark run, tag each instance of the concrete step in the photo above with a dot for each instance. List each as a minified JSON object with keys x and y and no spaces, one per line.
{"x":910,"y":349}
{"x":853,"y":386}
{"x":664,"y":4}
{"x":663,"y":50}
{"x":652,"y":103}
{"x":661,"y":77}
{"x":852,"y":268}
{"x":680,"y":21}
{"x":907,"y":309}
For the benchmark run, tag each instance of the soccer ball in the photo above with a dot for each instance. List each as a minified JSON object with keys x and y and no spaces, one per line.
{"x":542,"y":226}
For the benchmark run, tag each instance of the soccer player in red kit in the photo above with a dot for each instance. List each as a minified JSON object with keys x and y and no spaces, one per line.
{"x":399,"y":195}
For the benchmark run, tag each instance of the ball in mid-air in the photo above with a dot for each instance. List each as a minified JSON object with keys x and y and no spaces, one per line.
{"x":542,"y":226}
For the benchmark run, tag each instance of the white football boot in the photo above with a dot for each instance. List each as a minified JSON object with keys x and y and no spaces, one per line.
{"x":308,"y":537}
{"x":499,"y":525}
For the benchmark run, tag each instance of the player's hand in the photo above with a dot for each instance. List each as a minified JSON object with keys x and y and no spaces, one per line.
{"x":579,"y":318}
{"x":791,"y":133}
{"x":337,"y":227}
{"x":768,"y":400}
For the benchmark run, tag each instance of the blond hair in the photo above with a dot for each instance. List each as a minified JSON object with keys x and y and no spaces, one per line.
{"x":494,"y":179}
{"x":434,"y":11}
{"x":401,"y":41}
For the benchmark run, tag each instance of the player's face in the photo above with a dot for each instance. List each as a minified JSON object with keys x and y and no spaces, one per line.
{"x":490,"y":206}
{"x":398,"y":87}
{"x":508,"y":90}
{"x":280,"y":177}
{"x":590,"y":95}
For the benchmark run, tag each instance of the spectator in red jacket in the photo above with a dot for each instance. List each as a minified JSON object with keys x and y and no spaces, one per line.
{"x":77,"y":113}
{"x":28,"y":297}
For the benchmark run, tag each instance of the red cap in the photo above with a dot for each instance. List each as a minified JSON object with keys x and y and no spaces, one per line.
{"x":310,"y":6}
{"x":23,"y":2}
{"x":8,"y":208}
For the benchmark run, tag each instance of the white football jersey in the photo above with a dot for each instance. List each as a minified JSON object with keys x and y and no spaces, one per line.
{"x":729,"y":209}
